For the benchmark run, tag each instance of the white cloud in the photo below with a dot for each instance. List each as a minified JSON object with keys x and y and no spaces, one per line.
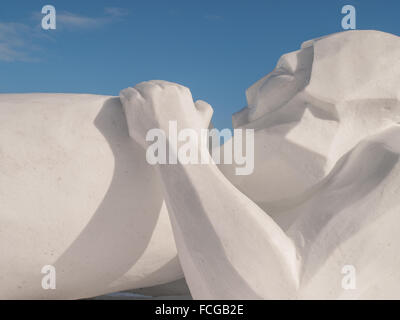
{"x":18,"y":41}
{"x":116,"y":12}
{"x":68,"y":19}
{"x":212,"y":17}
{"x":73,"y":20}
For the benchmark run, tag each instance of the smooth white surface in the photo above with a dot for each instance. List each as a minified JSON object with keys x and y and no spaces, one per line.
{"x":76,"y":192}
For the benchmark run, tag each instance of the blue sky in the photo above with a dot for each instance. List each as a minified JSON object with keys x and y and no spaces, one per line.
{"x":216,"y":48}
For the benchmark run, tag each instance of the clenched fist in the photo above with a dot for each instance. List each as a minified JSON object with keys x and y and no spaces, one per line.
{"x":153,"y":104}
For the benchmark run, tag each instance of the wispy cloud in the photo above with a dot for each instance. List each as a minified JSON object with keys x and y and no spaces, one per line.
{"x":68,"y":19}
{"x":116,"y":12}
{"x":19,"y":42}
{"x":213,"y":17}
{"x":72,"y":20}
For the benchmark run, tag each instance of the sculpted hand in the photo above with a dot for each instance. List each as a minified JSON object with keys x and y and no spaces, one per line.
{"x":152,"y":104}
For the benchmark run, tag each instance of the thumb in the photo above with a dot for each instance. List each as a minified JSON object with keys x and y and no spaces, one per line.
{"x":205,"y":110}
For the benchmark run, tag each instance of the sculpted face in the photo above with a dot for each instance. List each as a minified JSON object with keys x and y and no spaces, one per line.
{"x":306,"y":116}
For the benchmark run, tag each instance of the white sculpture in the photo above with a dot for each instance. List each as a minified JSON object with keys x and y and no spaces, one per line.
{"x":77,"y":193}
{"x":75,"y":190}
{"x":316,"y":105}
